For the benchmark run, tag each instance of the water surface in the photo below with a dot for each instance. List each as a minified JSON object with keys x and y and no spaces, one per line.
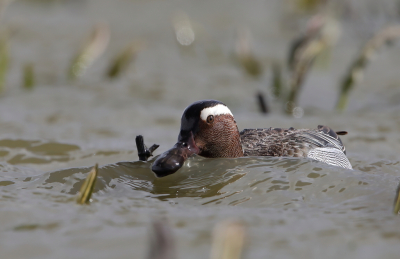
{"x":51,"y":136}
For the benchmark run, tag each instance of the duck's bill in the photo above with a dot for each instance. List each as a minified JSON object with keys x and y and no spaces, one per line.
{"x":172,"y":160}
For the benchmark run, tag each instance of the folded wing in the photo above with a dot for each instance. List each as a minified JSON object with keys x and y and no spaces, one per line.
{"x":322,"y":144}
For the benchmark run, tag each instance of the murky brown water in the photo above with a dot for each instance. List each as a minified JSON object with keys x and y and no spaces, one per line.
{"x":293,"y":208}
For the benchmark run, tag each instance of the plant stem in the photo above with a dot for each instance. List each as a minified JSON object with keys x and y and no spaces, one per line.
{"x":356,"y":70}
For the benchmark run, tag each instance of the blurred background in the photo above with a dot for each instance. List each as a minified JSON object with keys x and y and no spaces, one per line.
{"x":67,"y":65}
{"x":79,"y":79}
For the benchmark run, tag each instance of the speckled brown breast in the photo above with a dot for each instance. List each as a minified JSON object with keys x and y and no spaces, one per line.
{"x":219,"y":140}
{"x":288,"y":142}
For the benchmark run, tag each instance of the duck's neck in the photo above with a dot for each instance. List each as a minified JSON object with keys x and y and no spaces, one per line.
{"x":235,"y":149}
{"x":227,"y":145}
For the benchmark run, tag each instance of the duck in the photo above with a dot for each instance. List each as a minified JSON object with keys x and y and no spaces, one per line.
{"x":208,"y":129}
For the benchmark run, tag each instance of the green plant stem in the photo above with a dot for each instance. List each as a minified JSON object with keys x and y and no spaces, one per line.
{"x":122,"y":61}
{"x":29,"y":76}
{"x":354,"y":73}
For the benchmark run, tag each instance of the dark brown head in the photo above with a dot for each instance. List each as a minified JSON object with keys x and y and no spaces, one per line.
{"x":207,"y":129}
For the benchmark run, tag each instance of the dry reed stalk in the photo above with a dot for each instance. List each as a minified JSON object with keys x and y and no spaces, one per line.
{"x":262,"y":103}
{"x":306,"y":56}
{"x":162,"y":245}
{"x":4,"y":52}
{"x":321,"y":33}
{"x":124,"y":58}
{"x":4,"y":61}
{"x":93,"y":49}
{"x":277,"y":83}
{"x":245,"y":56}
{"x":28,"y":76}
{"x":355,"y":72}
{"x":228,"y":240}
{"x":88,"y":186}
{"x":3,"y":6}
{"x":396,"y":207}
{"x":309,"y":5}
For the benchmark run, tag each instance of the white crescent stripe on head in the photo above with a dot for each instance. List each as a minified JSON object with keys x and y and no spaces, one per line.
{"x":218,"y":109}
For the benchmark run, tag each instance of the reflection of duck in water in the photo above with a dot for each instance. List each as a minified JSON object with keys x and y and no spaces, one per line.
{"x":209,"y":129}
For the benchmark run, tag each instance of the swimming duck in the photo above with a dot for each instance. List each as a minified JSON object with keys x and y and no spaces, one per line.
{"x":209,"y":129}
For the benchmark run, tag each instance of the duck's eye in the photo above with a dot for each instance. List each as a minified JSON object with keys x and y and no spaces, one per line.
{"x":210,"y":119}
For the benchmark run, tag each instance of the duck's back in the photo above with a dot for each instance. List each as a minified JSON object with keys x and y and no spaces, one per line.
{"x":322,"y":144}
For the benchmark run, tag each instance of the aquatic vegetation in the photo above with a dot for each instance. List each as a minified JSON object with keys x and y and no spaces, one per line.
{"x":87,"y":187}
{"x":251,"y":65}
{"x":228,"y":240}
{"x":244,"y":54}
{"x":322,"y":32}
{"x":277,"y":80}
{"x":262,"y":103}
{"x":308,"y":5}
{"x":396,"y":207}
{"x":3,"y":6}
{"x":4,"y":61}
{"x":356,"y":70}
{"x":28,"y":76}
{"x":92,"y":50}
{"x":162,"y":242}
{"x":123,"y":59}
{"x":306,"y":57}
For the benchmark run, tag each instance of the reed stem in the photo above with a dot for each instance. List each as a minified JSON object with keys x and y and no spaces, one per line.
{"x":396,"y":207}
{"x":123,"y":59}
{"x":276,"y":80}
{"x":228,"y":240}
{"x":4,"y":62}
{"x":251,"y":65}
{"x":93,"y":49}
{"x":28,"y":76}
{"x":307,"y":55}
{"x":357,"y":68}
{"x":262,"y":103}
{"x":87,"y":187}
{"x":162,"y":245}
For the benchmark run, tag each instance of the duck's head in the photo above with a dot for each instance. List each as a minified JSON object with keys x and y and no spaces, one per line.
{"x":207,"y":129}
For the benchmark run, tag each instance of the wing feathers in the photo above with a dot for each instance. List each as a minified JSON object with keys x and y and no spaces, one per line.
{"x":296,"y":143}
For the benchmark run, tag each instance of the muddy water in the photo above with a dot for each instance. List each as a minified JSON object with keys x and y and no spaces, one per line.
{"x":293,"y":208}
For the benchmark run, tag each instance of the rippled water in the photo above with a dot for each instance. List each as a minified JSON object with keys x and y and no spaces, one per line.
{"x":51,"y":136}
{"x":292,"y":207}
